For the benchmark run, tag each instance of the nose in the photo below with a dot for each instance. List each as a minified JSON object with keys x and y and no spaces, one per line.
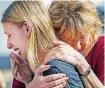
{"x":9,"y":44}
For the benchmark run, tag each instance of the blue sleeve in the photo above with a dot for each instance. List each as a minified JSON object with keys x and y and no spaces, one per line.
{"x":58,"y":66}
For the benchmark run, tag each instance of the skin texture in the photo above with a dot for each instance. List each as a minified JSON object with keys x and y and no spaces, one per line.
{"x":15,"y":38}
{"x":68,"y":54}
{"x":17,"y":41}
{"x":53,"y":81}
{"x":20,"y":69}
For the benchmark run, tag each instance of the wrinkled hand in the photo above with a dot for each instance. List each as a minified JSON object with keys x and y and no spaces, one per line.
{"x":68,"y":54}
{"x":20,"y":69}
{"x":50,"y":81}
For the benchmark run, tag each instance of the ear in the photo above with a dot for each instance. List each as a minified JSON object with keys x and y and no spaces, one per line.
{"x":27,"y":28}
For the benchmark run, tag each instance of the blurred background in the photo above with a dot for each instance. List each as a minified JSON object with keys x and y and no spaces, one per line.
{"x":4,"y":52}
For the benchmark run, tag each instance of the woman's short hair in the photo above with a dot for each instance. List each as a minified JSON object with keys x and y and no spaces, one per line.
{"x":76,"y":15}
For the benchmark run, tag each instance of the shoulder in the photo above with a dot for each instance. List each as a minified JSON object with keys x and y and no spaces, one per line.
{"x":97,"y":52}
{"x":99,"y":46}
{"x":100,"y":42}
{"x":99,"y":56}
{"x":60,"y":64}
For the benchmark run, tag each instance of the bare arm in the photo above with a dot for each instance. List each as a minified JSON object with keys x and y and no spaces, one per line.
{"x":91,"y":81}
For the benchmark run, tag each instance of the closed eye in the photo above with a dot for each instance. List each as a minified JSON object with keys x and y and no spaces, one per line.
{"x":83,"y":37}
{"x":9,"y":35}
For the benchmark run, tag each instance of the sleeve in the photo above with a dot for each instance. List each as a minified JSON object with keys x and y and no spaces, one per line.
{"x":100,"y":67}
{"x":58,"y":66}
{"x":17,"y":84}
{"x":100,"y":61}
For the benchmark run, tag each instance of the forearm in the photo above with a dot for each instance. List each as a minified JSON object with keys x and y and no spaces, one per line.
{"x":91,"y":81}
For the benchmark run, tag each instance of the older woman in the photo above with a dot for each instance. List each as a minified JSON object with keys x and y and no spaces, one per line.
{"x":78,"y":24}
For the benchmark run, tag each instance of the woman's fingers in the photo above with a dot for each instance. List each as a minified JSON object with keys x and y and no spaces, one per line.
{"x":12,"y":61}
{"x":14,"y":71}
{"x":15,"y":61}
{"x":49,"y":81}
{"x":57,"y":43}
{"x":54,"y":77}
{"x":14,"y":64}
{"x":58,"y":83}
{"x":51,"y":54}
{"x":17,"y":58}
{"x":61,"y":85}
{"x":41,"y":69}
{"x":65,"y":53}
{"x":62,"y":44}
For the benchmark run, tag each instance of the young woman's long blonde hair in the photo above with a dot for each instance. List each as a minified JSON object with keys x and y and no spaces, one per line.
{"x":42,"y":33}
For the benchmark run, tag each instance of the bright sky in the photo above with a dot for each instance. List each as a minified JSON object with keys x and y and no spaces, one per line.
{"x":3,"y":5}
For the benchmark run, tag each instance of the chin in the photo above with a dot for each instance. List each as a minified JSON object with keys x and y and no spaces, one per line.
{"x":24,"y":57}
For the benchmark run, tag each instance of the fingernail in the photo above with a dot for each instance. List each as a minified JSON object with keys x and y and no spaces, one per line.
{"x":66,"y":78}
{"x":64,"y":75}
{"x":48,"y":66}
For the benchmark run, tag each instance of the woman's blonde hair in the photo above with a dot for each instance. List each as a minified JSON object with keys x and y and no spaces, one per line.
{"x":42,"y":33}
{"x":76,"y":16}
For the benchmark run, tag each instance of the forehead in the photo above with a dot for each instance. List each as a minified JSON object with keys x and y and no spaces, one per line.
{"x":8,"y":27}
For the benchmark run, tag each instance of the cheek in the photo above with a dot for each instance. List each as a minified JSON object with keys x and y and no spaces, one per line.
{"x":23,"y":48}
{"x":23,"y":53}
{"x":14,"y":41}
{"x":65,"y":36}
{"x":76,"y":46}
{"x":83,"y":42}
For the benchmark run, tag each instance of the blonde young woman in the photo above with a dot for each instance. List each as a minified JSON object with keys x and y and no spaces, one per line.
{"x":78,"y":24}
{"x":30,"y":32}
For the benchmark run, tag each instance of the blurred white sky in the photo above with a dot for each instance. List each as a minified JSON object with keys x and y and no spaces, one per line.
{"x":3,"y":47}
{"x":3,"y":5}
